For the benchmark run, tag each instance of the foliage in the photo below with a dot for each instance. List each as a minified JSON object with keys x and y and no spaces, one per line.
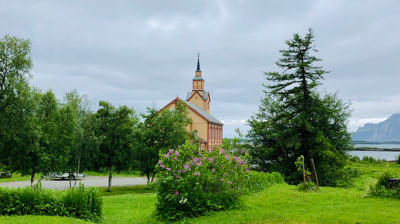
{"x":191,"y":182}
{"x":48,"y":136}
{"x":371,"y":159}
{"x":260,"y":180}
{"x":82,"y":203}
{"x":236,"y":147}
{"x":381,"y":187}
{"x":397,"y":159}
{"x":354,"y":158}
{"x":294,"y":119}
{"x":15,"y":104}
{"x":160,"y":131}
{"x":84,"y":149}
{"x":115,"y":126}
{"x":310,"y":186}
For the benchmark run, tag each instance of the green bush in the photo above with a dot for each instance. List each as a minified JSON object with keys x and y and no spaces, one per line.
{"x":381,"y":187}
{"x":398,"y":159}
{"x":83,"y":203}
{"x":354,"y":158}
{"x":260,"y":180}
{"x":310,"y":186}
{"x":192,"y":182}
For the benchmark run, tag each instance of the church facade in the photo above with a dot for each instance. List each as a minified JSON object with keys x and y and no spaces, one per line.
{"x":208,"y":128}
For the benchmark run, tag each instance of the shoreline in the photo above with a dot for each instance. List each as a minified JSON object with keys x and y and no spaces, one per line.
{"x":376,"y":149}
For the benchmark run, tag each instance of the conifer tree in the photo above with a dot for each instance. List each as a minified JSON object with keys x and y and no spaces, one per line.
{"x":294,"y":119}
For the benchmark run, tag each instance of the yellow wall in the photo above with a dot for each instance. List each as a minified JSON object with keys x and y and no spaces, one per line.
{"x":198,"y":123}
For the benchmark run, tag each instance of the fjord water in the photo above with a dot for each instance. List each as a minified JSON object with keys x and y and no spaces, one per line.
{"x":377,"y":154}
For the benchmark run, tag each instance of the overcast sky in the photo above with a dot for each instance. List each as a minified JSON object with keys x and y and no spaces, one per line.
{"x":141,"y":53}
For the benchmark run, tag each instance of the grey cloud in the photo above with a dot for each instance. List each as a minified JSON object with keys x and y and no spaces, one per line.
{"x":137,"y":52}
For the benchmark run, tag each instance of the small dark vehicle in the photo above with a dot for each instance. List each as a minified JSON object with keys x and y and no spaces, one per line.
{"x":5,"y":175}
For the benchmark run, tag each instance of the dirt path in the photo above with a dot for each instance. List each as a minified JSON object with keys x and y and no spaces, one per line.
{"x":87,"y":181}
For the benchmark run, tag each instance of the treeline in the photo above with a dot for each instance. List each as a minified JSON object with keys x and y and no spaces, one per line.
{"x":40,"y":134}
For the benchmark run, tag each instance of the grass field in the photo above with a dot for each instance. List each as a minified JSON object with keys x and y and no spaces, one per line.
{"x":15,"y":177}
{"x":276,"y":204}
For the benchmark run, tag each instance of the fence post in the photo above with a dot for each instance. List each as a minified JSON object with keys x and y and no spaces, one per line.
{"x":304,"y":175}
{"x":315,"y":171}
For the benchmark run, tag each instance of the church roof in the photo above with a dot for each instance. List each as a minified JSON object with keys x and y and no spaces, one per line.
{"x":205,"y":96}
{"x":198,"y":78}
{"x":204,"y":113}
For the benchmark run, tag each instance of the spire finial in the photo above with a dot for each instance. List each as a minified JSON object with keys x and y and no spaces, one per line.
{"x":198,"y":62}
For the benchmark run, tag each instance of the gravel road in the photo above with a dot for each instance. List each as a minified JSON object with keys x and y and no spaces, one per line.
{"x":87,"y":181}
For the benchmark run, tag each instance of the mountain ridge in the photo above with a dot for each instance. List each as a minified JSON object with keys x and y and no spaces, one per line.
{"x":387,"y":130}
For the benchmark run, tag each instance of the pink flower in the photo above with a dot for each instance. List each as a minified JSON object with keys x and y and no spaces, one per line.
{"x":248,"y":170}
{"x":180,"y":171}
{"x":196,"y":160}
{"x":226,"y":156}
{"x":197,"y":174}
{"x":222,"y":151}
{"x":159,"y":161}
{"x":168,"y":169}
{"x":222,"y":180}
{"x":199,"y":154}
{"x":170,"y":151}
{"x":175,"y":158}
{"x":176,"y":192}
{"x":162,"y":166}
{"x":211,"y":159}
{"x":241,"y":162}
{"x":166,"y":156}
{"x":229,"y":182}
{"x":241,"y":151}
{"x":223,"y":175}
{"x":199,"y":164}
{"x":176,"y":153}
{"x":186,"y":166}
{"x":235,"y":158}
{"x":213,"y":170}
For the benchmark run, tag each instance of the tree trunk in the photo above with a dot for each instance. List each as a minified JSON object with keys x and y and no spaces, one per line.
{"x":69,"y":176}
{"x":76,"y":177}
{"x":33,"y":177}
{"x":109,"y":179}
{"x":148,"y":178}
{"x":152,"y":178}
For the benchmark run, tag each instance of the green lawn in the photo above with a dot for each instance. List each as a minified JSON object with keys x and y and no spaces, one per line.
{"x":277,"y":204}
{"x":29,"y":219}
{"x":121,"y":174}
{"x":139,"y":189}
{"x":15,"y":177}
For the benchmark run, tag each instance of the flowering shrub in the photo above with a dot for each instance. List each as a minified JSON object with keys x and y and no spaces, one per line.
{"x":191,"y":182}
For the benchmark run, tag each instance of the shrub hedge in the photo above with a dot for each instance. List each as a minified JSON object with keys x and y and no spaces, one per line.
{"x":83,"y":203}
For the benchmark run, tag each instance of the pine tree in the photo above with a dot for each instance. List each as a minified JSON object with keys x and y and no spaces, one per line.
{"x":294,"y":119}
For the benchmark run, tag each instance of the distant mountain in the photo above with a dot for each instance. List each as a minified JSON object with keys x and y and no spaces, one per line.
{"x":387,"y":130}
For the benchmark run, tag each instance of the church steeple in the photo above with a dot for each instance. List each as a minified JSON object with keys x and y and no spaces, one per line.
{"x":198,"y":96}
{"x":198,"y":81}
{"x":198,"y":63}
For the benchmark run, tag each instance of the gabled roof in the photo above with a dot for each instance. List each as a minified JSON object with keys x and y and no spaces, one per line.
{"x":193,"y":107}
{"x":205,"y":96}
{"x":203,"y":113}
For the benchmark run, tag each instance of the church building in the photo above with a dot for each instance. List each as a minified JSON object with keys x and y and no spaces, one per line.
{"x":208,"y":128}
